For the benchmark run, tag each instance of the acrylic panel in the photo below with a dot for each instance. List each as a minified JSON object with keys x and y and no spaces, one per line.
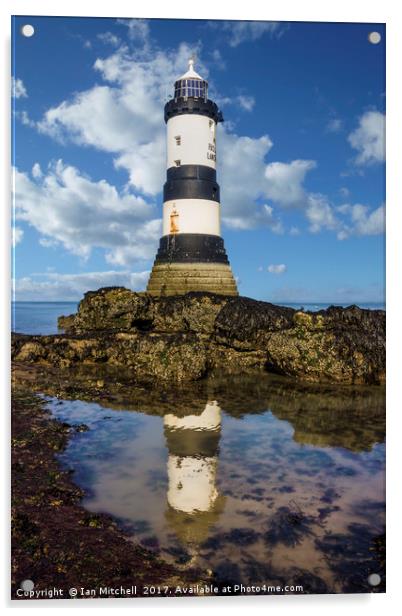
{"x":198,"y":316}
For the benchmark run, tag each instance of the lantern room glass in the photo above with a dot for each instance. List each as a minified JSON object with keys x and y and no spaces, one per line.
{"x":194,"y":88}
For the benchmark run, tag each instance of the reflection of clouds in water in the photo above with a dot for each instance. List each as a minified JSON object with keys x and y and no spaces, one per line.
{"x":120,"y":458}
{"x":311,"y":477}
{"x":252,"y":495}
{"x":353,"y":555}
{"x":289,"y":525}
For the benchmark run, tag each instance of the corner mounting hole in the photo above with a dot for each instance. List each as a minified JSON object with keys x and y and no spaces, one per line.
{"x":27,"y":585}
{"x":27,"y":30}
{"x":374,"y":579}
{"x":374,"y":38}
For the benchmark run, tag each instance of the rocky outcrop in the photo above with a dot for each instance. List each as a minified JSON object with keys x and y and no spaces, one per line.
{"x":186,"y":337}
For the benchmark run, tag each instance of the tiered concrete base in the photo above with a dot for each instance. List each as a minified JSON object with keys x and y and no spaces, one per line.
{"x":181,"y":278}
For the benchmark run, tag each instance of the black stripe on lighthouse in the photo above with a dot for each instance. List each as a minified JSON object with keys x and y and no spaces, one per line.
{"x":191,"y":182}
{"x":196,"y":106}
{"x":191,"y":248}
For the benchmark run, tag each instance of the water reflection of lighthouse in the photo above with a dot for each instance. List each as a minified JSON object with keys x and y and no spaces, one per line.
{"x":194,"y":503}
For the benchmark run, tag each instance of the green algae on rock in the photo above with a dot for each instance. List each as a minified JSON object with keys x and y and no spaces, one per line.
{"x":186,"y":337}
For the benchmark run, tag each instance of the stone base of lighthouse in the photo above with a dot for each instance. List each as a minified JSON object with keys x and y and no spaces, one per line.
{"x":191,"y":262}
{"x":181,"y":278}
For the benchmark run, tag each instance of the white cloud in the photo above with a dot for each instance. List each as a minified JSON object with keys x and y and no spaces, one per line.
{"x":246,"y":179}
{"x":345,"y":192}
{"x":366,"y":222}
{"x":285,"y":181}
{"x":52,"y":286}
{"x":24,"y":118}
{"x":369,"y":138}
{"x":146,"y":165}
{"x":277,"y":269}
{"x":67,"y":208}
{"x":241,"y":174}
{"x":343,"y":209}
{"x":17,"y":235}
{"x":246,"y":102}
{"x":320,"y":213}
{"x":138,"y":29}
{"x":335,"y":125}
{"x":48,"y":242}
{"x":36,"y":171}
{"x":360,"y":220}
{"x":109,"y":39}
{"x":218,"y":60}
{"x":142,"y":244}
{"x":18,"y":89}
{"x":244,"y":31}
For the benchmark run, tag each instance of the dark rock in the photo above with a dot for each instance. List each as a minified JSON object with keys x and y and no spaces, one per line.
{"x":182,"y":338}
{"x":80,"y":428}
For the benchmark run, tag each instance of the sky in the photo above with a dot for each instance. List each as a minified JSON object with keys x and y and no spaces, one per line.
{"x":301,"y":153}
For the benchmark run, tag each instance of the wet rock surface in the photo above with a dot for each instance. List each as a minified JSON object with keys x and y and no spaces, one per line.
{"x":187,"y":337}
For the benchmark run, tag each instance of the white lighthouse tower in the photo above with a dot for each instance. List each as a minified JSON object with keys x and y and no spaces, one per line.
{"x":191,"y":255}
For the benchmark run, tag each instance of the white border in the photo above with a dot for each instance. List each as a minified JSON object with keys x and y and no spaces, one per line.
{"x":286,"y":10}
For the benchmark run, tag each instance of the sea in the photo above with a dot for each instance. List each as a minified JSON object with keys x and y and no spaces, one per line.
{"x":40,"y":318}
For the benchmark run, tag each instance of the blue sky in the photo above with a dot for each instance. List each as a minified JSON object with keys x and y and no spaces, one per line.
{"x":300,"y":154}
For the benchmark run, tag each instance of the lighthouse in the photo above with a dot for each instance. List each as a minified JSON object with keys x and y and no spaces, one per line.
{"x":191,"y":255}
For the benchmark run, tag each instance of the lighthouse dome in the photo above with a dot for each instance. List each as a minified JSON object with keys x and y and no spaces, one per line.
{"x":191,"y":84}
